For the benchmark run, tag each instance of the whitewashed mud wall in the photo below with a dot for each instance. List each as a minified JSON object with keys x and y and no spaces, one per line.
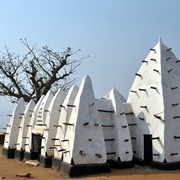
{"x":61,"y":128}
{"x":73,"y":128}
{"x":82,"y":128}
{"x":40,"y":121}
{"x":52,"y":118}
{"x":13,"y":126}
{"x":115,"y":127}
{"x":170,"y":69}
{"x":84,"y":140}
{"x":155,"y":102}
{"x":26,"y":116}
{"x":30,"y":126}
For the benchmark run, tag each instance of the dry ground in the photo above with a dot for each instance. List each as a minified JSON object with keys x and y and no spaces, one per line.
{"x":10,"y":167}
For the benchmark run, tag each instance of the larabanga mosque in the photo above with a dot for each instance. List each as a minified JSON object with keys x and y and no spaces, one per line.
{"x":76,"y":133}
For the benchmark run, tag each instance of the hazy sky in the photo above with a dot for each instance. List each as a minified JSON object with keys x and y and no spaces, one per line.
{"x":117,"y":35}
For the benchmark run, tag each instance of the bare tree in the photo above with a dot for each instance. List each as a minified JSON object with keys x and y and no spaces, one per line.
{"x":35,"y":73}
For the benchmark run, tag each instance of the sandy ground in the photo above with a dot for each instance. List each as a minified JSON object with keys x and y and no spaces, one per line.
{"x":10,"y":167}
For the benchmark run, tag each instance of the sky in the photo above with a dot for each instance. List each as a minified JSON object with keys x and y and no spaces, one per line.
{"x":116,"y":34}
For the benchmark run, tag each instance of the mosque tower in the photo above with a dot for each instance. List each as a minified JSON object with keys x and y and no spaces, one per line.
{"x":155,"y":101}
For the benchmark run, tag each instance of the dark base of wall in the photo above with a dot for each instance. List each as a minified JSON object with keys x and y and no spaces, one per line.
{"x":2,"y":137}
{"x":159,"y":165}
{"x":166,"y":166}
{"x":120,"y":165}
{"x":68,"y":170}
{"x":8,"y":153}
{"x":19,"y":154}
{"x":138,"y":161}
{"x":46,"y":161}
{"x":56,"y":164}
{"x":30,"y":155}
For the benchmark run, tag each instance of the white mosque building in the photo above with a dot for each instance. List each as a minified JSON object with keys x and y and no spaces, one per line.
{"x":79,"y":134}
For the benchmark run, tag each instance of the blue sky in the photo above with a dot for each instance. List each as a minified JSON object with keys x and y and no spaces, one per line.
{"x":117,"y":35}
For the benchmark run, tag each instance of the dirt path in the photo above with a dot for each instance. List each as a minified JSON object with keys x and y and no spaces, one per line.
{"x":10,"y":167}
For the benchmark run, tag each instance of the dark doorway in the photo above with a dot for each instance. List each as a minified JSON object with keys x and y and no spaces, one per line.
{"x":147,"y":149}
{"x":36,"y":145}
